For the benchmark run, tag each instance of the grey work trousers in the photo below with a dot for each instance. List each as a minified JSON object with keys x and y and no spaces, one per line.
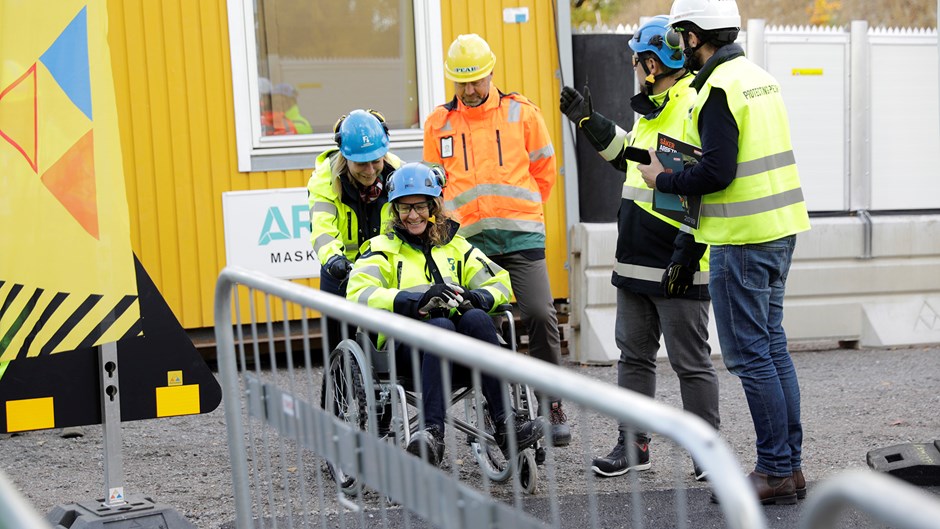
{"x":683,"y":323}
{"x":534,"y":295}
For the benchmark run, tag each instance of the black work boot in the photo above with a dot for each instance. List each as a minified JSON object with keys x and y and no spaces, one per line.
{"x":432,"y":438}
{"x":527,"y":433}
{"x":617,"y":462}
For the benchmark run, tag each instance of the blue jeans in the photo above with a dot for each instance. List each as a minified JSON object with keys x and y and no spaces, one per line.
{"x":747,"y":284}
{"x":476,"y":324}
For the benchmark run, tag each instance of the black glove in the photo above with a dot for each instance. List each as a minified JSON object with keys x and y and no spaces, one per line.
{"x":476,"y":299}
{"x":440,"y":296}
{"x":576,"y":106}
{"x":338,"y":267}
{"x":676,"y":280}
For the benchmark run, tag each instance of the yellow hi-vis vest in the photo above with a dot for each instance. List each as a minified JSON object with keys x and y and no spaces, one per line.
{"x":390,"y":267}
{"x":764,"y":201}
{"x":671,"y":121}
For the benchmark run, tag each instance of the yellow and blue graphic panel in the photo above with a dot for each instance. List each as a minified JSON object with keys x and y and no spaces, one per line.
{"x":67,"y":277}
{"x":69,"y":280}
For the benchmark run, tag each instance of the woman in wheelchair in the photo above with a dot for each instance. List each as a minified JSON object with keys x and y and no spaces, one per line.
{"x":422,"y":269}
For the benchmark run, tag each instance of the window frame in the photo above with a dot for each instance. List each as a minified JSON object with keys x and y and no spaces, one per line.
{"x":272,"y":153}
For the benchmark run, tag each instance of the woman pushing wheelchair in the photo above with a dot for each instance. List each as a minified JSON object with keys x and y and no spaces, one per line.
{"x":422,"y":269}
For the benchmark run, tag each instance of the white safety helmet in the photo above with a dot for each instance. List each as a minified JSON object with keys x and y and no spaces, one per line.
{"x":706,"y":14}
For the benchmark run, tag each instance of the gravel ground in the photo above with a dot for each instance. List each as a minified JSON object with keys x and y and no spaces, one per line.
{"x":853,"y":401}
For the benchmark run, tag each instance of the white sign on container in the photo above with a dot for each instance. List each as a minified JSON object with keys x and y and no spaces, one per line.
{"x":515,"y":15}
{"x":269,"y":231}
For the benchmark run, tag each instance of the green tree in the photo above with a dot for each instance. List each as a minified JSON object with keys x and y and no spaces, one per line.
{"x":593,"y":11}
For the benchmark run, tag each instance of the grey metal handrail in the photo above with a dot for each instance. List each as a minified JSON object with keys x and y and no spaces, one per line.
{"x":737,"y":499}
{"x":887,"y":499}
{"x":15,"y":511}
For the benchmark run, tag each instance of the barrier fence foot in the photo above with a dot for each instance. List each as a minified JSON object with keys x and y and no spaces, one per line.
{"x":139,"y":512}
{"x":918,"y":464}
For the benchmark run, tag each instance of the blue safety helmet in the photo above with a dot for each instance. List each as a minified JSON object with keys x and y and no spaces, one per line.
{"x":658,"y":37}
{"x":362,"y":136}
{"x":416,"y":179}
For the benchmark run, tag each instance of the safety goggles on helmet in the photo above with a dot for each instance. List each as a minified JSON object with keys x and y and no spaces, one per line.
{"x":658,"y":38}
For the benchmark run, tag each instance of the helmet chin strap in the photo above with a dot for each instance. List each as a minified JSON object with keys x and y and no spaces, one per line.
{"x":651,"y":79}
{"x":689,"y":51}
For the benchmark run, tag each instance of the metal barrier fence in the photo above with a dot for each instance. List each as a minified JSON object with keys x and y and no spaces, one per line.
{"x":881,"y":497}
{"x":15,"y":511}
{"x":296,"y":464}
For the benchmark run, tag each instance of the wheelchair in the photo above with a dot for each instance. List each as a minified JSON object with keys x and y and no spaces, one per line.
{"x":361,"y":393}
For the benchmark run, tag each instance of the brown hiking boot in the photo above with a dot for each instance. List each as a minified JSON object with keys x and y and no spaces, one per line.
{"x":799,"y":482}
{"x":773,"y":490}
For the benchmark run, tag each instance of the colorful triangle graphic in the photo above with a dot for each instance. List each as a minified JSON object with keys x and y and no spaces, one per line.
{"x":18,"y":116}
{"x":72,"y":181}
{"x":67,"y":61}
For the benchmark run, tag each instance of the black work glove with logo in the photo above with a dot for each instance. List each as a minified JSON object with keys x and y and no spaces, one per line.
{"x":575,"y":106}
{"x":338,"y":267}
{"x":677,"y":280}
{"x":439,"y":299}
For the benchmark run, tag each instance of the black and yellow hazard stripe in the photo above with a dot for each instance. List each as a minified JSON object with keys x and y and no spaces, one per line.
{"x":161,"y":373}
{"x":35,"y":322}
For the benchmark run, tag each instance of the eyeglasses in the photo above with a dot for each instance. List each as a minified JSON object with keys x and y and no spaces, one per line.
{"x":421,"y":207}
{"x":636,"y":60}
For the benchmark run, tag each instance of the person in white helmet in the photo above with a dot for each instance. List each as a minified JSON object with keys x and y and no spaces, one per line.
{"x":661,"y":273}
{"x":752,"y":209}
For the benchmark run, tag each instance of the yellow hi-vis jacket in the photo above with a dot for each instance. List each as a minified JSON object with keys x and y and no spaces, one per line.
{"x":500,"y":169}
{"x":339,"y":222}
{"x":764,"y":201}
{"x":395,"y":270}
{"x":641,"y":250}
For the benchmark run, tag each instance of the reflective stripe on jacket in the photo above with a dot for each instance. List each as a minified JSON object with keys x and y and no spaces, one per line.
{"x":500,"y":169}
{"x":764,"y":201}
{"x":645,"y":246}
{"x":339,"y":222}
{"x":393,"y":274}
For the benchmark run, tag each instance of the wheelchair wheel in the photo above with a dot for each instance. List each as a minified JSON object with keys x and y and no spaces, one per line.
{"x":528,"y":471}
{"x":493,"y":463}
{"x":498,"y":468}
{"x":347,"y":398}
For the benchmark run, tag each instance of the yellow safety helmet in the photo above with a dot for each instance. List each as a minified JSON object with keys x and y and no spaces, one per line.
{"x":468,"y":59}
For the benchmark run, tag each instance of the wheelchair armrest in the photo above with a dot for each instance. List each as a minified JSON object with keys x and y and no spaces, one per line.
{"x":505,"y":307}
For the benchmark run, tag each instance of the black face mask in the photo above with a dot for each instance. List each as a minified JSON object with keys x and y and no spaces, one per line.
{"x":692,"y":62}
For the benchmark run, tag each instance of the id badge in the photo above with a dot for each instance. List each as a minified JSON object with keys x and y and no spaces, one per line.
{"x":447,"y":147}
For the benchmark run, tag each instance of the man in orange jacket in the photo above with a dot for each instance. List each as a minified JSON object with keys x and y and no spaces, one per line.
{"x":501,"y":168}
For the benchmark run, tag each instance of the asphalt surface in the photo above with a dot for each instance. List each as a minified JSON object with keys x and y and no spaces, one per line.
{"x":854,"y":401}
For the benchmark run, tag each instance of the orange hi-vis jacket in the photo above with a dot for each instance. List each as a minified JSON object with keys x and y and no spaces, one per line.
{"x":500,"y":169}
